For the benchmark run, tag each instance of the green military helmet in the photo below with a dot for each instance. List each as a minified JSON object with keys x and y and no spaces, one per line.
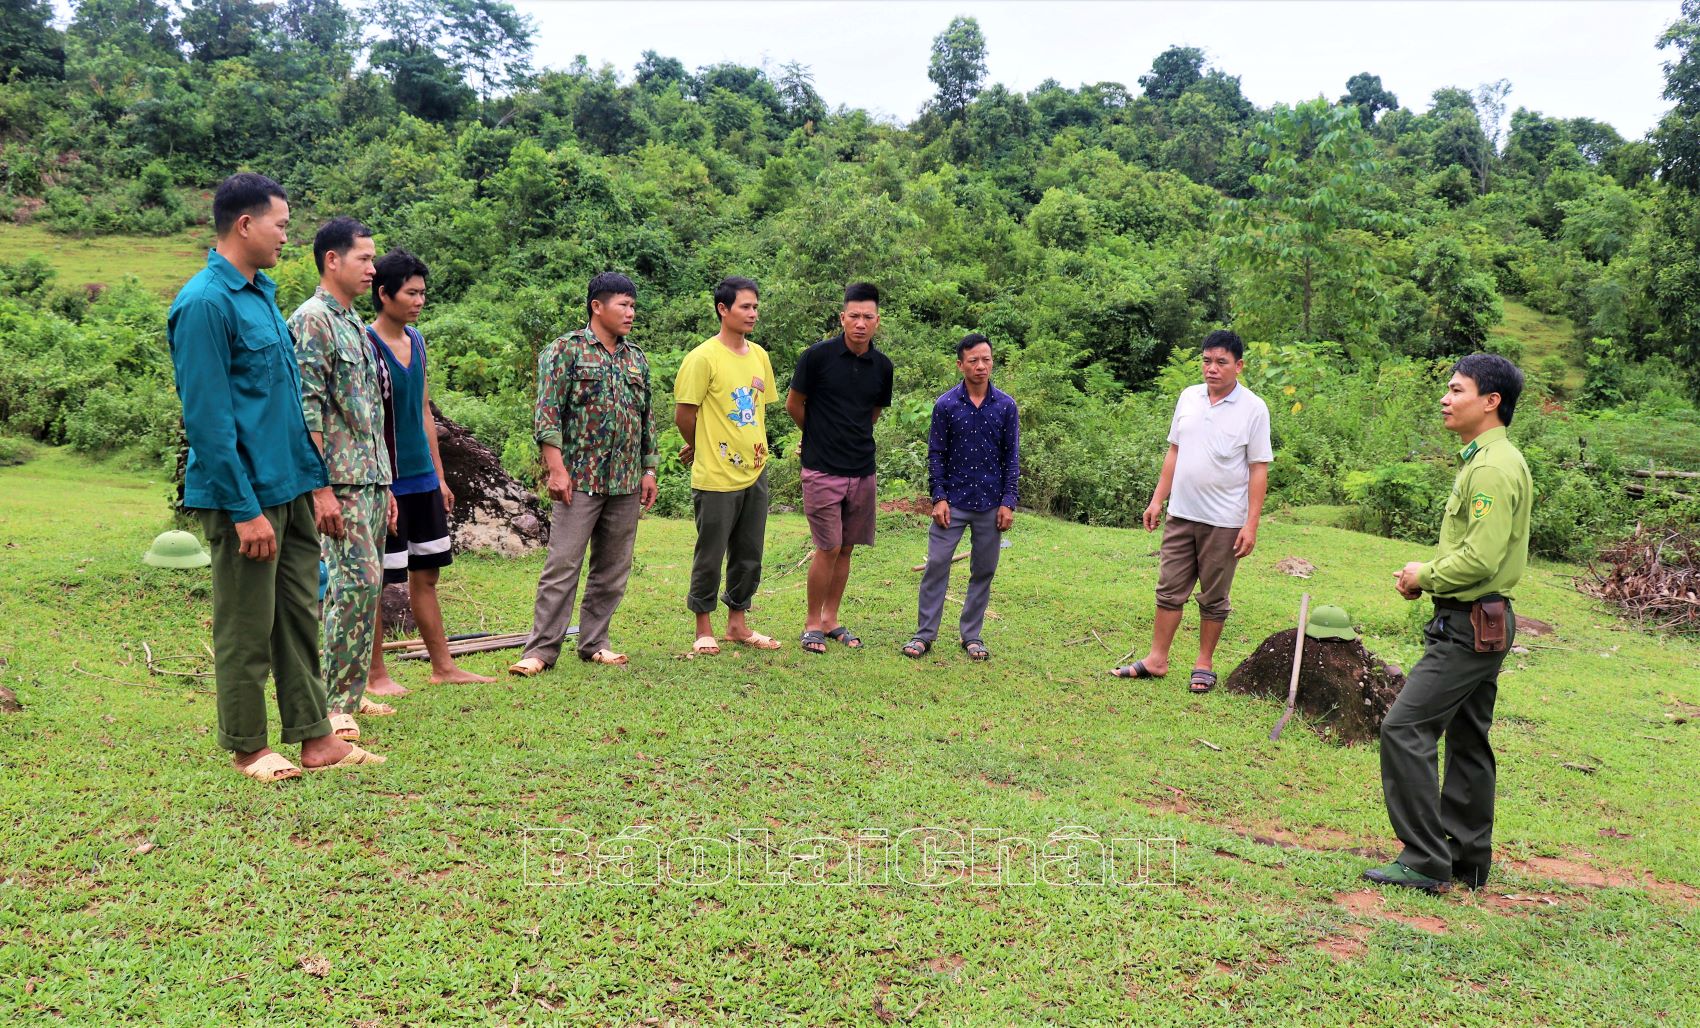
{"x":176,"y":550}
{"x":1329,"y":622}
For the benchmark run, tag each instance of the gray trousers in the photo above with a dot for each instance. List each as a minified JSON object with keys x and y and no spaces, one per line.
{"x":608,"y":525}
{"x":1450,"y":692}
{"x":730,"y":527}
{"x":982,"y":564}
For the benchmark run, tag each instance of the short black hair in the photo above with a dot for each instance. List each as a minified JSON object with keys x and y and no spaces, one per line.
{"x":337,"y":236}
{"x":392,"y":272}
{"x":968,"y":342}
{"x":609,"y":283}
{"x":1493,"y":374}
{"x":243,"y":193}
{"x":857,"y":292}
{"x":729,"y":288}
{"x":1223,"y":339}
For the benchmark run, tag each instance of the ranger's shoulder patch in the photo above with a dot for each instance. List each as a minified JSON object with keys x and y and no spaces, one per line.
{"x":1480,"y":504}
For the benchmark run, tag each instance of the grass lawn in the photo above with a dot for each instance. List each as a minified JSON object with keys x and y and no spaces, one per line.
{"x":161,"y":263}
{"x":141,"y":878}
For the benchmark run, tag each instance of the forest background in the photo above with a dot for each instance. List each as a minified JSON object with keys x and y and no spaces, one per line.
{"x":1095,"y":232}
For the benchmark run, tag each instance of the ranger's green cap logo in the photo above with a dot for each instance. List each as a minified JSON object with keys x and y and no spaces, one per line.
{"x":1480,"y":504}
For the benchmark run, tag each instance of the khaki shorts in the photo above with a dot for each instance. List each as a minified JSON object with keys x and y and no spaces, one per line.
{"x":840,"y":510}
{"x":1194,"y":553}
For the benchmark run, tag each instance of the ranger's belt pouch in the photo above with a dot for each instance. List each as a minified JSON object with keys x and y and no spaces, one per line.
{"x":1488,"y":619}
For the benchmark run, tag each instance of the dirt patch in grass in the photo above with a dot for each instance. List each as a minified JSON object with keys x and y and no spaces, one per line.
{"x":1349,"y":945}
{"x":1317,"y":837}
{"x":1364,"y":903}
{"x":1576,"y":870}
{"x":1519,"y":902}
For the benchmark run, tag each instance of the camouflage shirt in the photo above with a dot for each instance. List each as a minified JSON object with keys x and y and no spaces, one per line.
{"x":594,"y":406}
{"x":342,"y":389}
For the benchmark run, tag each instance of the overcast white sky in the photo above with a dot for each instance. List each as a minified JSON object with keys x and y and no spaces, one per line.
{"x":1565,"y":58}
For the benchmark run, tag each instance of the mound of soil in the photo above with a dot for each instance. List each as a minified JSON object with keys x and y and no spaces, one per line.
{"x":1343,"y":689}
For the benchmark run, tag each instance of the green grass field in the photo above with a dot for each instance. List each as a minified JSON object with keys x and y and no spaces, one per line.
{"x":142,"y":879}
{"x":161,"y":263}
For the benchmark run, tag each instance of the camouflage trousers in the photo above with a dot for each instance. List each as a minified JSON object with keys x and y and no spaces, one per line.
{"x":350,"y":609}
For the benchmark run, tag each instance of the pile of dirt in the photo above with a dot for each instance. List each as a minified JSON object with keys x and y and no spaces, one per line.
{"x":1344,"y":689}
{"x":492,"y":510}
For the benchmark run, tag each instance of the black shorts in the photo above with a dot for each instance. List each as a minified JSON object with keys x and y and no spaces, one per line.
{"x":421,"y":536}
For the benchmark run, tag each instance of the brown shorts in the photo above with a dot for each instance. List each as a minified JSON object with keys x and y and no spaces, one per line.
{"x":840,"y":510}
{"x":1196,"y":553}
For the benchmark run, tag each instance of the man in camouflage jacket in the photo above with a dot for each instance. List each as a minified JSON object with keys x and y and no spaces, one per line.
{"x":342,"y":396}
{"x":592,"y":423}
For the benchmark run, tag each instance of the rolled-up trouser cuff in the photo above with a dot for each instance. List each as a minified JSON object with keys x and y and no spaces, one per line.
{"x":313,"y":731}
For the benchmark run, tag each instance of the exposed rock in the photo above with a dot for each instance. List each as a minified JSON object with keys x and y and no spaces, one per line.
{"x":1298,"y":567}
{"x":492,"y":510}
{"x":1343,"y":688}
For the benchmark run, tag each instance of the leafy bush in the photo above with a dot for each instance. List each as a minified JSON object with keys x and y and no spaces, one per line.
{"x":1404,"y":500}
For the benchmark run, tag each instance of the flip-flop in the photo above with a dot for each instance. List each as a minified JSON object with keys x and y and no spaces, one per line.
{"x":755,"y":640}
{"x":814,"y":641}
{"x":606,"y":656}
{"x":353,"y":758}
{"x":915,"y":649}
{"x":976,"y":649}
{"x":1202,"y":681}
{"x":705,"y":646}
{"x":273,"y":767}
{"x":372,"y":709}
{"x":529,"y":667}
{"x":345,"y":727}
{"x":1135,"y":670}
{"x":845,"y":636}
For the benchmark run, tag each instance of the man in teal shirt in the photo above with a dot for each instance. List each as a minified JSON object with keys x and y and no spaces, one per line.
{"x":1484,"y":548}
{"x":251,"y":471}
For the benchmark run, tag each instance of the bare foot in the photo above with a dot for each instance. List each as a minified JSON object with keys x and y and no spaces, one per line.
{"x":324,"y":751}
{"x":245,"y":759}
{"x":386,"y":686}
{"x":457,"y":675}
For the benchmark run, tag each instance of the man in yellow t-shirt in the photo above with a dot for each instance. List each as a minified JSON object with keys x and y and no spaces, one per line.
{"x":722,"y":390}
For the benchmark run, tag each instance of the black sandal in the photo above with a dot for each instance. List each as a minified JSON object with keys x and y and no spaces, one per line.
{"x":915,"y":649}
{"x":813,"y":641}
{"x":845,"y":636}
{"x":1202,"y":681}
{"x":976,"y":649}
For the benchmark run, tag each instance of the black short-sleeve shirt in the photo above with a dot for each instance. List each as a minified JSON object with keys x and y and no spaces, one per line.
{"x":841,"y":391}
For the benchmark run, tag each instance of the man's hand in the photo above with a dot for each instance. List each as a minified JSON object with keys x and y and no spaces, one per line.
{"x":448,"y":496}
{"x":258,"y":541}
{"x":648,"y":491}
{"x":1245,"y":542}
{"x":1153,"y":516}
{"x":941,"y":513}
{"x":394,"y":512}
{"x":1006,"y":518}
{"x":327,"y":513}
{"x":1406,"y":580}
{"x":561,"y":486}
{"x":687,"y":454}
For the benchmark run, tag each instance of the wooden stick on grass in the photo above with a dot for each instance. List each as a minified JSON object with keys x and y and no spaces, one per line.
{"x":1293,"y":684}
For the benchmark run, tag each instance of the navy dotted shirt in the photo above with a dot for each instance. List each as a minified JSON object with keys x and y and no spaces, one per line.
{"x":974,"y":453}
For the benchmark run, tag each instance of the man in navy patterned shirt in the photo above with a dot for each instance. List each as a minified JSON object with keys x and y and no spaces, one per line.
{"x":973,"y":463}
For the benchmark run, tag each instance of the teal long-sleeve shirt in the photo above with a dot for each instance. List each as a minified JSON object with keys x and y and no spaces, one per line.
{"x":241,"y":395}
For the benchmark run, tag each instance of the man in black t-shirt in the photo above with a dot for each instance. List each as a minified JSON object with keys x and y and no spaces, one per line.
{"x":838,"y":391}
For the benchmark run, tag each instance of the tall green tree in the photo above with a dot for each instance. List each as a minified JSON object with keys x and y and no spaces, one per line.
{"x":1172,"y":72}
{"x":1365,"y":92}
{"x":30,"y":47}
{"x":217,"y":30}
{"x":958,"y":66}
{"x":1300,"y":238}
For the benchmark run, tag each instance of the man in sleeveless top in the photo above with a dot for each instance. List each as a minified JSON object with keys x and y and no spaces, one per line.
{"x":417,"y":549}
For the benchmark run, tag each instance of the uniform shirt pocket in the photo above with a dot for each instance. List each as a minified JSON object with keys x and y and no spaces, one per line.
{"x":255,"y":361}
{"x":359,"y":386}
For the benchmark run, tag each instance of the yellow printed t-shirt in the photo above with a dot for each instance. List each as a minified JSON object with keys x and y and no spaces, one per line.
{"x":729,"y":392}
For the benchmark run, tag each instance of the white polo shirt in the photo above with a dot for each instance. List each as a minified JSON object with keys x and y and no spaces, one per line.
{"x":1219,"y":442}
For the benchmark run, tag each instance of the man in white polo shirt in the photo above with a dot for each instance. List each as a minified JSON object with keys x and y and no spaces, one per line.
{"x":1214,"y":480}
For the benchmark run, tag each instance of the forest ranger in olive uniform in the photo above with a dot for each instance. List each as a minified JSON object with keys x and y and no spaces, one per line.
{"x":1484,"y":547}
{"x":592,"y":422}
